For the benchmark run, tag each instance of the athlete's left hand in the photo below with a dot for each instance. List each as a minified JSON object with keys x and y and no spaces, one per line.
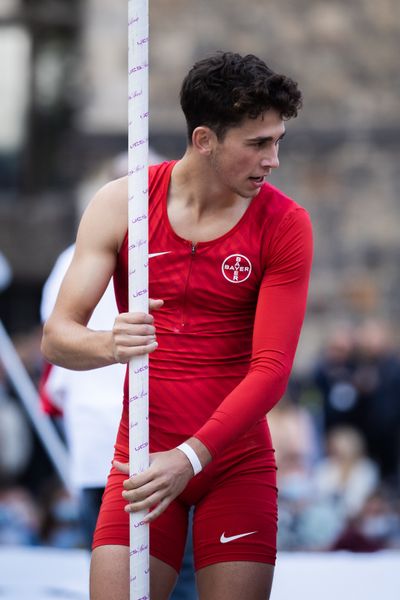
{"x":154,"y":489}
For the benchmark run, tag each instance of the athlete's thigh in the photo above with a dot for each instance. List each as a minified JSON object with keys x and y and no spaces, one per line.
{"x":235,"y":581}
{"x":109,"y":575}
{"x":236,"y":521}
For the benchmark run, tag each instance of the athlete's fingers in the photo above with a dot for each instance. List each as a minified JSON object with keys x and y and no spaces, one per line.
{"x":134,"y":318}
{"x":130,"y":484}
{"x":156,"y":512}
{"x":128,"y":329}
{"x":141,"y":479}
{"x":127,"y":340}
{"x":142,"y":493}
{"x":124,"y":355}
{"x":137,"y":481}
{"x":155,"y":304}
{"x":152,"y":500}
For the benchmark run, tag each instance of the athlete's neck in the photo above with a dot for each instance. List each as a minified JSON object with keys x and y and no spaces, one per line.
{"x":196,"y":211}
{"x":193,"y":181}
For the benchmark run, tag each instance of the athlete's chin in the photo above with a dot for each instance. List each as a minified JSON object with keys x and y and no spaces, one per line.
{"x":249,"y":193}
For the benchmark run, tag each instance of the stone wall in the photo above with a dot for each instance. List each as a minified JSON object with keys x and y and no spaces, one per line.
{"x":344,"y":54}
{"x":340,"y":159}
{"x":341,"y":156}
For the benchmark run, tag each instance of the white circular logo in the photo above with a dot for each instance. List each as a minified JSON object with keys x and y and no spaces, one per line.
{"x":236,"y":268}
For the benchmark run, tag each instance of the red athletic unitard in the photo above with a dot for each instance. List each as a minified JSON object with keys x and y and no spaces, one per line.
{"x":227,"y":335}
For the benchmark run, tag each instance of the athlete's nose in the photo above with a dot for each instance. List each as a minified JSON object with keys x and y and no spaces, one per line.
{"x":271,"y":160}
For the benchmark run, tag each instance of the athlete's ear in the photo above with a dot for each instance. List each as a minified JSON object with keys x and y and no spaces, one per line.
{"x":203,"y":140}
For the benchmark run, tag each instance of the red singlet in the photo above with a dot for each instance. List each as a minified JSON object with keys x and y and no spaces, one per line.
{"x":227,"y":334}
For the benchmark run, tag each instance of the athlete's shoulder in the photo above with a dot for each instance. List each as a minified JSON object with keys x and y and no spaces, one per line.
{"x":117,"y":187}
{"x":276,"y":211}
{"x":283,"y":222}
{"x":112,"y":199}
{"x":276,"y":203}
{"x":112,"y":194}
{"x":107,"y":212}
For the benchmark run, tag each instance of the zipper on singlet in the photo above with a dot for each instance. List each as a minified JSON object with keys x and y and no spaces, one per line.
{"x":183,"y":315}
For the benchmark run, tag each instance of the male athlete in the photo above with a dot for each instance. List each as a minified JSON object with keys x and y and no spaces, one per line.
{"x":229,"y":281}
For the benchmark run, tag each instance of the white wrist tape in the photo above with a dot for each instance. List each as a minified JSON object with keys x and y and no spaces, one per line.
{"x":192,"y":456}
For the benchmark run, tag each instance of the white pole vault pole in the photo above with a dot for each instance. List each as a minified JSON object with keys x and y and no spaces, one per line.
{"x":138,"y":140}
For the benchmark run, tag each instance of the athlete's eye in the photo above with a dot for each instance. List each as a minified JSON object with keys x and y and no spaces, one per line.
{"x":280,"y":140}
{"x":260,"y":144}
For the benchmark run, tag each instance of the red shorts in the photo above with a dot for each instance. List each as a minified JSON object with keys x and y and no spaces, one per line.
{"x":235,"y":500}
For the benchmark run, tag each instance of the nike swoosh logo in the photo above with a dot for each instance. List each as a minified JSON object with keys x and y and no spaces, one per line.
{"x":159,"y":253}
{"x":225,"y":540}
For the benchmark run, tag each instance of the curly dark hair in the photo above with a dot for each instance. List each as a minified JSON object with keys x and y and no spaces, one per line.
{"x":222,"y":90}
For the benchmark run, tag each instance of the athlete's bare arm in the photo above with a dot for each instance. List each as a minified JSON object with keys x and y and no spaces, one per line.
{"x":66,"y":339}
{"x":69,"y":343}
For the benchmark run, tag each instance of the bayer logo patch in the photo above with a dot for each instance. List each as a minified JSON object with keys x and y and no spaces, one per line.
{"x":236,"y":268}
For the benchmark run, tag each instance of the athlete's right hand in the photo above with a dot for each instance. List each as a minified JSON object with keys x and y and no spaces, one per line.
{"x":134,"y":334}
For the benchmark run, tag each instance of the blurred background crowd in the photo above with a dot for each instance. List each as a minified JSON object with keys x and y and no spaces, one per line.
{"x":63,"y":129}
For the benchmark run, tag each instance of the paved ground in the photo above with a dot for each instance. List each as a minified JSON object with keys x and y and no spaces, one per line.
{"x":47,"y":574}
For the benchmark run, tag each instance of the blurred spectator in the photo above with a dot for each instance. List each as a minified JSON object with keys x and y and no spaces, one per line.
{"x":294,"y":437}
{"x":27,"y":345}
{"x":375,"y":527}
{"x":305,"y":522}
{"x":333,"y":376}
{"x":60,"y":527}
{"x":15,"y":437}
{"x":19,"y":517}
{"x":359,"y":379}
{"x":346,"y":476}
{"x":377,"y":381}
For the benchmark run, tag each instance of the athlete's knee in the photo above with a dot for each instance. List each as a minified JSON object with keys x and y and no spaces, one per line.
{"x":109,"y":573}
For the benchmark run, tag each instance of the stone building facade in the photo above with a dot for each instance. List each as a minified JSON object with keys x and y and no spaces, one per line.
{"x":340,"y":159}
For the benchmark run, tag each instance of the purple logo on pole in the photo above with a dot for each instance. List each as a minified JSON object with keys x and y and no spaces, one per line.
{"x":137,"y":244}
{"x":138,"y":219}
{"x":134,"y":95}
{"x":138,"y":68}
{"x":136,"y":525}
{"x":139,"y":293}
{"x":142,"y":394}
{"x":139,"y":550}
{"x":142,"y":446}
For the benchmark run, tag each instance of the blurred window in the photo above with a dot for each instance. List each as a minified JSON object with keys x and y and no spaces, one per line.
{"x":8,"y":8}
{"x":39,"y":93}
{"x":15,"y":52}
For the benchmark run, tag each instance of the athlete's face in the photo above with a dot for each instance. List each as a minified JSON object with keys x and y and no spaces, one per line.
{"x":248,"y":153}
